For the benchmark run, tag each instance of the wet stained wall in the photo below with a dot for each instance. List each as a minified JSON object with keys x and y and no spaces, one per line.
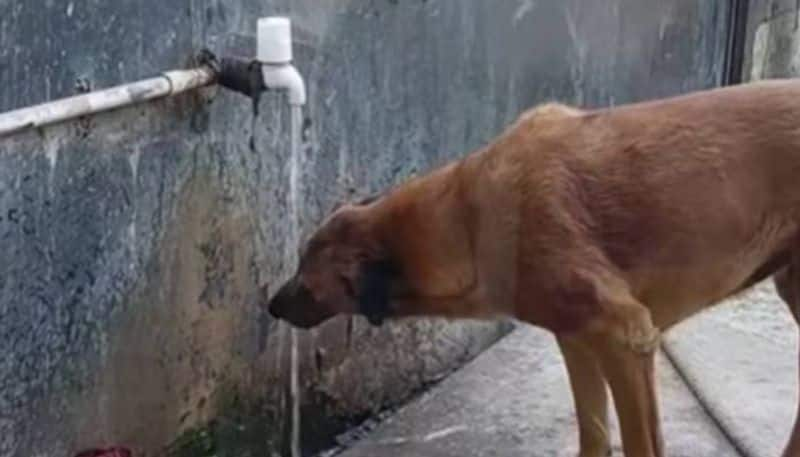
{"x":134,"y":242}
{"x":772,"y":46}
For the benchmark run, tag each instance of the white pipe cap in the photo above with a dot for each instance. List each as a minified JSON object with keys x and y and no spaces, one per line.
{"x":274,"y":37}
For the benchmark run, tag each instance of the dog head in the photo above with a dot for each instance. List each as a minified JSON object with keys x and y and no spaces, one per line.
{"x":407,"y":253}
{"x":343,"y":270}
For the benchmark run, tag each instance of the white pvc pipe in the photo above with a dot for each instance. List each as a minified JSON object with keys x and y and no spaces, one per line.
{"x":168,"y":84}
{"x":274,"y":51}
{"x":274,"y":40}
{"x":285,"y":77}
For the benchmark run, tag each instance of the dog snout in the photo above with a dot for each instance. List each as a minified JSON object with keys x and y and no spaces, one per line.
{"x":280,"y":303}
{"x":275,"y":310}
{"x":295,"y":304}
{"x":292,"y":299}
{"x":286,"y":298}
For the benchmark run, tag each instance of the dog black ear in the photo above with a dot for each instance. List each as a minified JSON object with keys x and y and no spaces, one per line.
{"x":376,"y":281}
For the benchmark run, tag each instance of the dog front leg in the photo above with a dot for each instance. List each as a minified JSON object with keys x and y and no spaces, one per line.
{"x":625,"y":345}
{"x":590,"y":396}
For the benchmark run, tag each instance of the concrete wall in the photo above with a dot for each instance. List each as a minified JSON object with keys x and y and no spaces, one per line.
{"x":772,"y":47}
{"x":134,"y":242}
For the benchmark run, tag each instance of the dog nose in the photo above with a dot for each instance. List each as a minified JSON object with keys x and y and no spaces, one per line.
{"x":274,"y":313}
{"x":275,"y":308}
{"x":280,"y":302}
{"x":265,"y":304}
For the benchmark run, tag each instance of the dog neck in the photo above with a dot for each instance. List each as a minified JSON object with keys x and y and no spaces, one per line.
{"x":426,"y":227}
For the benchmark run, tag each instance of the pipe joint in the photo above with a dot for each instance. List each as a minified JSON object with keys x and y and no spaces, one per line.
{"x":285,"y":77}
{"x":240,"y":75}
{"x":271,"y":69}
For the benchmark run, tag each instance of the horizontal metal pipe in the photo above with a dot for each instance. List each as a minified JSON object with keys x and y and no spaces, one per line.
{"x":168,"y":84}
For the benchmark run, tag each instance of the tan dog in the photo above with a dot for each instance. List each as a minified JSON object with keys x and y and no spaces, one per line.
{"x":604,"y":227}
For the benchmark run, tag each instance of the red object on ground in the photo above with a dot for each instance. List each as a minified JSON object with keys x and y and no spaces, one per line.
{"x":110,"y":452}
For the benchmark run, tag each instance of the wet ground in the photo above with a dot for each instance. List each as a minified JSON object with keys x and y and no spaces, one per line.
{"x":727,"y":389}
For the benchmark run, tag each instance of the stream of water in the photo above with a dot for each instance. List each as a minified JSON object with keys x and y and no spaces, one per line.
{"x":292,"y":248}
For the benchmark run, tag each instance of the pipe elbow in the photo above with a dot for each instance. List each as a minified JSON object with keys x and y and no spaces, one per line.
{"x":288,"y":78}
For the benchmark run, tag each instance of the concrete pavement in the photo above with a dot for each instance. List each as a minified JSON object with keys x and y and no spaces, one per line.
{"x":733,"y":386}
{"x":514,"y":401}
